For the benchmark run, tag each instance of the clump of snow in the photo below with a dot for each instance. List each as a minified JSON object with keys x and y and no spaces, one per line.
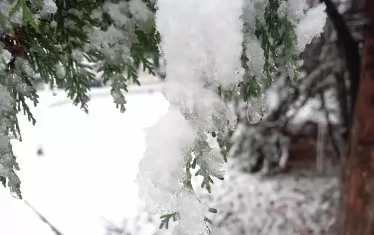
{"x":276,"y":93}
{"x":49,"y":7}
{"x":203,"y":106}
{"x":116,"y":11}
{"x":6,"y":7}
{"x":211,"y":36}
{"x":6,"y":55}
{"x":293,"y":9}
{"x":75,"y":12}
{"x":6,"y":100}
{"x":96,"y":14}
{"x":53,"y":24}
{"x":214,"y":162}
{"x":311,"y":25}
{"x":255,"y":55}
{"x":168,"y":143}
{"x":192,"y":213}
{"x":114,"y":43}
{"x":139,"y":10}
{"x":60,"y":71}
{"x":120,"y":13}
{"x":308,"y":25}
{"x":253,"y":11}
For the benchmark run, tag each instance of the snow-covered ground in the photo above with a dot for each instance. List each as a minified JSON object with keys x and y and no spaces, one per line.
{"x":87,"y":174}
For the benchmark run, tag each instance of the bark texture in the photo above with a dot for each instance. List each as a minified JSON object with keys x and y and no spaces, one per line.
{"x":357,"y":195}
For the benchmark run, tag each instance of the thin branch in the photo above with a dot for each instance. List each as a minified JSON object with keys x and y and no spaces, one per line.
{"x":330,"y":126}
{"x":44,"y":219}
{"x":342,"y":93}
{"x":347,"y":43}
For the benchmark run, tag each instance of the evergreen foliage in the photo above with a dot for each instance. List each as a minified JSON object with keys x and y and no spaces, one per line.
{"x":55,"y":42}
{"x":274,"y":30}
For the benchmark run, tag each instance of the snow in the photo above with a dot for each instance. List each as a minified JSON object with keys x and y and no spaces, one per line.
{"x":211,"y":37}
{"x":6,"y":7}
{"x":290,"y":204}
{"x":311,"y":25}
{"x":60,"y":71}
{"x":294,"y":9}
{"x":113,"y":43}
{"x":49,"y":7}
{"x":216,"y":46}
{"x":160,"y":179}
{"x":89,"y":165}
{"x":115,"y":10}
{"x":88,"y":171}
{"x":254,"y":10}
{"x":255,"y":55}
{"x":139,"y":10}
{"x":7,"y":56}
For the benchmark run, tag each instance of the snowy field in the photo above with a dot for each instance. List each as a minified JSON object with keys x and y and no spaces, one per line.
{"x":87,"y":174}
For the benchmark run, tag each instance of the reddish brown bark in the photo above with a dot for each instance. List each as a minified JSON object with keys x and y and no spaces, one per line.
{"x":357,"y":203}
{"x":303,"y":152}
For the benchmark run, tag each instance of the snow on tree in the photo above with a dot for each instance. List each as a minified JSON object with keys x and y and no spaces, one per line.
{"x":15,"y":85}
{"x":328,"y":84}
{"x":193,"y":78}
{"x":221,"y":58}
{"x":53,"y":40}
{"x":201,"y":77}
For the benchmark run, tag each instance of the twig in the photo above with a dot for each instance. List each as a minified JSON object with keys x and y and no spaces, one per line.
{"x":329,"y":126}
{"x":351,"y":49}
{"x":44,"y":219}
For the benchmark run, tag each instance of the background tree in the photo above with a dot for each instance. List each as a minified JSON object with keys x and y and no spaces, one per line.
{"x":357,"y":176}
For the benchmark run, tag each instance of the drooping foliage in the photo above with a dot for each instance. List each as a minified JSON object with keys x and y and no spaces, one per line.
{"x":212,"y":74}
{"x":69,"y":44}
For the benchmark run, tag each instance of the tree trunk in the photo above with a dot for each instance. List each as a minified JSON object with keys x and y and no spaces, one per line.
{"x":357,"y":192}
